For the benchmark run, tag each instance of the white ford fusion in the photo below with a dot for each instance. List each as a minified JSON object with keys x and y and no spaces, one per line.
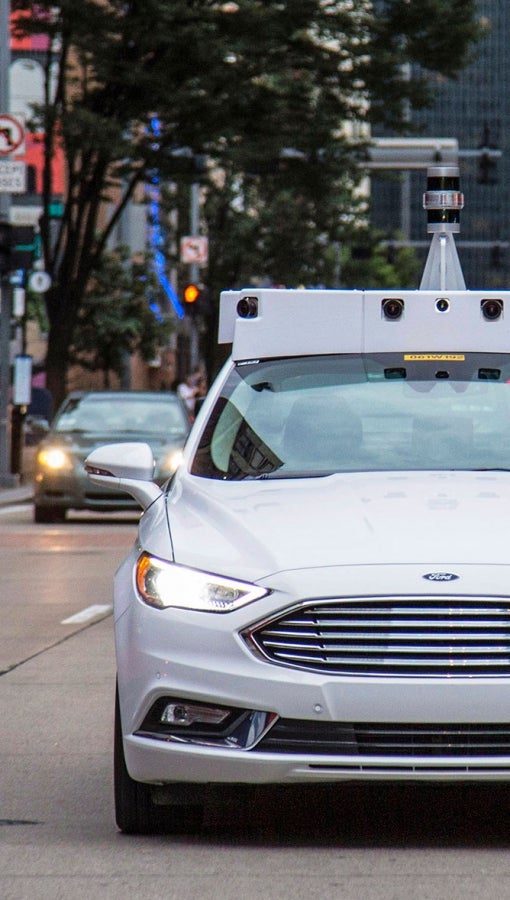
{"x":321,"y":593}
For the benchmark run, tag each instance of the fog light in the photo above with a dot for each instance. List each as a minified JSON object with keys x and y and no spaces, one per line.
{"x":491,"y":309}
{"x":186,"y":714}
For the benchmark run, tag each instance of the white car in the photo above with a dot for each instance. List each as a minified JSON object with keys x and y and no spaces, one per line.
{"x":322,"y":591}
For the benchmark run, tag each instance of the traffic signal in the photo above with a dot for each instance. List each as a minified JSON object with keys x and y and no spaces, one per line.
{"x":191,"y":297}
{"x":5,"y":247}
{"x":17,"y":247}
{"x":22,"y":246}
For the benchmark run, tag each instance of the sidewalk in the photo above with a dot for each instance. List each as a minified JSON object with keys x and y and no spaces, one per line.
{"x":20,"y":494}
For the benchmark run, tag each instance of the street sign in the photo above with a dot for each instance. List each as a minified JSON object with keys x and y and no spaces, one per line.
{"x":22,"y":380}
{"x":39,"y":282}
{"x":13,"y":177}
{"x":194,"y":249}
{"x":12,"y":135}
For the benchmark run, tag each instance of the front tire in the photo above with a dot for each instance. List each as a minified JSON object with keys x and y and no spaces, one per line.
{"x":48,"y":515}
{"x":135,"y":811}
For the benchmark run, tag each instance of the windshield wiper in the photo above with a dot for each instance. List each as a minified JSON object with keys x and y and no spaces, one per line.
{"x":491,"y":469}
{"x":271,"y":476}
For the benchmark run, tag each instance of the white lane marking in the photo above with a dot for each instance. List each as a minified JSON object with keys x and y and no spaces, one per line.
{"x":90,"y":612}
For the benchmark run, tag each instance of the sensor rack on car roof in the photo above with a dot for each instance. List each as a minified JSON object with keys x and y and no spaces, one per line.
{"x":442,"y":315}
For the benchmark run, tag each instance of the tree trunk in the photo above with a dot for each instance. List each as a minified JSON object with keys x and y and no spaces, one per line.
{"x":61,"y":323}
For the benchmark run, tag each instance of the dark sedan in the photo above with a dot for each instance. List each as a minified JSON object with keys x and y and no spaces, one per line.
{"x":85,"y":421}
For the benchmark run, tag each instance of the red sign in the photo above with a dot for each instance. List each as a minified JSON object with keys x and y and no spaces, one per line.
{"x":194,"y":249}
{"x":12,"y":135}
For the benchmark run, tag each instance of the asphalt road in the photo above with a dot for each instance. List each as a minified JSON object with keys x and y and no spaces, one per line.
{"x":57,"y":834}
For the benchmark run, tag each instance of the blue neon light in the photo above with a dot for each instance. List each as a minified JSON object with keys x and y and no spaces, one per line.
{"x":156,"y":235}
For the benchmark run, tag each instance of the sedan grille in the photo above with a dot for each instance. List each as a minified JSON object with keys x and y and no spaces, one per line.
{"x":426,"y":636}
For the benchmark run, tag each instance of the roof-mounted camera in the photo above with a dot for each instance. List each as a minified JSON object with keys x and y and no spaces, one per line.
{"x":392,"y":308}
{"x":492,"y":308}
{"x":248,"y":307}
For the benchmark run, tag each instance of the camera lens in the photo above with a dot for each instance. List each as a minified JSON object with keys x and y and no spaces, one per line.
{"x":248,"y":307}
{"x":491,"y":309}
{"x":392,"y":307}
{"x":442,"y":304}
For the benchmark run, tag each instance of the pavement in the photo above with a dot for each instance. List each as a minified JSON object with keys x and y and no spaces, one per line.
{"x":19,"y":494}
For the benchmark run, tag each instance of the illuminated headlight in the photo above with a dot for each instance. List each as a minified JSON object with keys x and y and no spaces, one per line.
{"x":163,"y":584}
{"x":170,"y":462}
{"x":55,"y":459}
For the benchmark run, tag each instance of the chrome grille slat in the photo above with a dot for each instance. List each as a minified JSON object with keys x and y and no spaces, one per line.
{"x":392,"y":636}
{"x":395,"y":641}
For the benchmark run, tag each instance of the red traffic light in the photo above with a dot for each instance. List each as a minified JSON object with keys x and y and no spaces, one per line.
{"x":191,"y":293}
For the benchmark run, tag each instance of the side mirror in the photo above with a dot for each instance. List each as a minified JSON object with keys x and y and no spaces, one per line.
{"x":37,"y":424}
{"x":125,"y":467}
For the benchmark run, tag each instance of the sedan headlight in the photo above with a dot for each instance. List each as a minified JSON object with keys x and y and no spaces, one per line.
{"x":170,"y":461}
{"x":54,"y":459}
{"x":162,"y":584}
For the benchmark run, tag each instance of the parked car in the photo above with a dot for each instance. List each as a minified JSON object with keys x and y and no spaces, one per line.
{"x":88,"y":419}
{"x":321,"y":592}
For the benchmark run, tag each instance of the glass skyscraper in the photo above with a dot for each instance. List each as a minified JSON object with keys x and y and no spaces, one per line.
{"x":475,"y":109}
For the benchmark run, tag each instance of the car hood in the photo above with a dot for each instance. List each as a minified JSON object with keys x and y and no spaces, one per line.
{"x":254,"y":529}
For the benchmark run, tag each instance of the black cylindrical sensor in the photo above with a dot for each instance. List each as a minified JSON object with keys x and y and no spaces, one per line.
{"x":443,"y":199}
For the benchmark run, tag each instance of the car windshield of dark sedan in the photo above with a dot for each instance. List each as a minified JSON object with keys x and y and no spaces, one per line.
{"x":314,"y":416}
{"x":125,"y":415}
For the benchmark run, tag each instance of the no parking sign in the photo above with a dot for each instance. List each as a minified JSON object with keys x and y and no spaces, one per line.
{"x":194,"y":249}
{"x":12,"y":135}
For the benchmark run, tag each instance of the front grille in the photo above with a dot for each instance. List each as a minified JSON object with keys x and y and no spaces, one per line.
{"x":368,"y":739}
{"x":425,"y":636}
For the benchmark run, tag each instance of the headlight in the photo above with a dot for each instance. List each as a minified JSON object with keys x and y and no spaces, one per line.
{"x":163,"y":584}
{"x":55,"y":459}
{"x":170,"y":461}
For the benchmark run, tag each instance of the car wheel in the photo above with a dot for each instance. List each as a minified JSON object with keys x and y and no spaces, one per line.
{"x":47,"y":515}
{"x":135,"y":811}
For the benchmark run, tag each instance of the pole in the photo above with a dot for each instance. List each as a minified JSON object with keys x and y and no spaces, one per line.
{"x":193,"y":273}
{"x":7,"y":479}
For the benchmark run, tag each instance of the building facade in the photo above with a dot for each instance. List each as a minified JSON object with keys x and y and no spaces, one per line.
{"x":474,"y":109}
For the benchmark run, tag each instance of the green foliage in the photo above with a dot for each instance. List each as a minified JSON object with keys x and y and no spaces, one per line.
{"x":372,"y":262}
{"x":115,"y":319}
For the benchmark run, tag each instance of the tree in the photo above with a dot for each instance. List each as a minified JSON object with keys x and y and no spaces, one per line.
{"x":129,"y":82}
{"x":115,"y":319}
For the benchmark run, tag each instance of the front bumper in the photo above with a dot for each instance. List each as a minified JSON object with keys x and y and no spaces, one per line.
{"x":181,"y":655}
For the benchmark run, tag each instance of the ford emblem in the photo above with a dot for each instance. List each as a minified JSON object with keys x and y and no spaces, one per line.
{"x":440,"y":576}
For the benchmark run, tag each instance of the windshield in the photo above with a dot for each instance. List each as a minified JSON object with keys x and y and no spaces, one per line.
{"x":313,"y":416}
{"x":127,"y":415}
